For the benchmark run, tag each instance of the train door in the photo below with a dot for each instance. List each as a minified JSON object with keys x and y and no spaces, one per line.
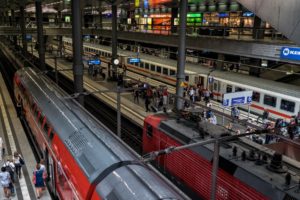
{"x":199,"y":80}
{"x":216,"y":90}
{"x":49,"y":162}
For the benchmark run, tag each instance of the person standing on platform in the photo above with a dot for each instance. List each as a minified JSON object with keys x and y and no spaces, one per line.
{"x":1,"y":148}
{"x":136,"y":95}
{"x":5,"y":182}
{"x":264,"y":116}
{"x":38,"y":180}
{"x":235,"y":113}
{"x":165,"y":99}
{"x":18,"y":161}
{"x":147,"y":103}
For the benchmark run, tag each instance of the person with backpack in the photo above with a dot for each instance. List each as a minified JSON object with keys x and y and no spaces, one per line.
{"x":18,"y":162}
{"x":10,"y":168}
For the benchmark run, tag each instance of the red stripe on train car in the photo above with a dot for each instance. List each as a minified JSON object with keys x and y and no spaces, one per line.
{"x":272,"y":111}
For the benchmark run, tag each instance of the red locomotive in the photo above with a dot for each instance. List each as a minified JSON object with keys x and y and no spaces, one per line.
{"x":236,"y":179}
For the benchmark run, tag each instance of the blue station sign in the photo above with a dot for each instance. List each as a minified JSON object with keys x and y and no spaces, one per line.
{"x":237,"y":98}
{"x":290,"y":53}
{"x":133,"y":60}
{"x":94,"y":62}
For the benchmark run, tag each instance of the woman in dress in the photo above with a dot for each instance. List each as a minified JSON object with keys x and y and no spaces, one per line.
{"x":38,"y":180}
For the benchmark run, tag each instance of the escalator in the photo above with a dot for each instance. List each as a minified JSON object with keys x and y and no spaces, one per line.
{"x":283,"y":15}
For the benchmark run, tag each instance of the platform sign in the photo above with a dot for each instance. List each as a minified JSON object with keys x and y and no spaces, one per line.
{"x":290,"y":53}
{"x":237,"y":98}
{"x":133,"y":60}
{"x":94,"y":62}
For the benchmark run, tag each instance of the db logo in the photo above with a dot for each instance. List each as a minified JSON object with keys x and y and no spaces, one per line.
{"x":286,"y":51}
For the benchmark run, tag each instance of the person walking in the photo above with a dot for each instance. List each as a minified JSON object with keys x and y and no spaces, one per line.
{"x":1,"y":148}
{"x":5,"y":182}
{"x":10,"y":168}
{"x":136,"y":96}
{"x":18,"y":161}
{"x":165,"y":99}
{"x":38,"y":180}
{"x":264,"y":116}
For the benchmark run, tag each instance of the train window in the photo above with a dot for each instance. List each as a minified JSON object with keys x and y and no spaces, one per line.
{"x":287,"y":105}
{"x":165,"y":71}
{"x":256,"y":96}
{"x":46,"y":128}
{"x":270,"y":101}
{"x":228,"y":88}
{"x":146,"y":65}
{"x":136,"y":64}
{"x":216,"y":86}
{"x":238,"y":89}
{"x":51,"y":135}
{"x":187,"y":78}
{"x":141,"y":65}
{"x":36,"y":112}
{"x":41,"y":119}
{"x":172,"y":72}
{"x":153,"y":68}
{"x":149,"y":130}
{"x":158,"y":69}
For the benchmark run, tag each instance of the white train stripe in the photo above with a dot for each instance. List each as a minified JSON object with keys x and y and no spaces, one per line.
{"x":12,"y":144}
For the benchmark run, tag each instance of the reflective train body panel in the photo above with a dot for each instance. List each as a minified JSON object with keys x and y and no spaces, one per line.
{"x":282,"y":100}
{"x":84,"y":159}
{"x":237,"y":179}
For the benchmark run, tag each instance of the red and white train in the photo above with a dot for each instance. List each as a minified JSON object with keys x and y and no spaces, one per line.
{"x":83,"y":158}
{"x":282,"y":100}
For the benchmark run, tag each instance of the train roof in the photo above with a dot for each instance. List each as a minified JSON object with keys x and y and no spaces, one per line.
{"x":258,"y":177}
{"x":256,"y":83}
{"x":91,"y":144}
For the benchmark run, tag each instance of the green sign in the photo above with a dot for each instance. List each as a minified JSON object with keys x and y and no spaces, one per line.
{"x":194,"y":15}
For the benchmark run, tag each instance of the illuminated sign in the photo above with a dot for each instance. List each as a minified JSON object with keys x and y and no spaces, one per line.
{"x":133,"y":60}
{"x":194,"y":15}
{"x":290,"y":53}
{"x":248,"y":14}
{"x":94,"y":62}
{"x":160,"y":16}
{"x":223,"y":15}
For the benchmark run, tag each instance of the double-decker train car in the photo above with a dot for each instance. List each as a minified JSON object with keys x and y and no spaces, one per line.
{"x":280,"y":99}
{"x":84,"y":159}
{"x":237,"y":178}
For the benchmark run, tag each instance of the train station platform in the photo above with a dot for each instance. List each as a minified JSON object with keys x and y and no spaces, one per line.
{"x":14,"y":139}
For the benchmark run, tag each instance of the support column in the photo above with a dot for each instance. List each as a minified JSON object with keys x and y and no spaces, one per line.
{"x":23,"y":28}
{"x":40,"y":34}
{"x":77,"y":49}
{"x":114,"y":39}
{"x":100,"y":15}
{"x":13,"y":23}
{"x":181,"y":54}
